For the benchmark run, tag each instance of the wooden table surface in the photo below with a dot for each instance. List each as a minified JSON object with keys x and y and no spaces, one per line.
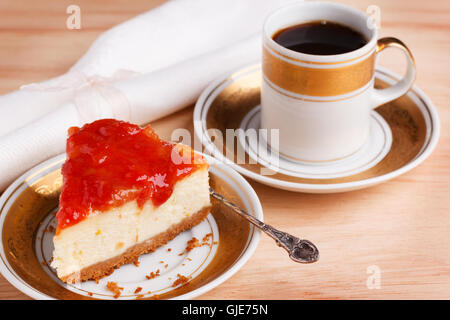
{"x":402,"y":226}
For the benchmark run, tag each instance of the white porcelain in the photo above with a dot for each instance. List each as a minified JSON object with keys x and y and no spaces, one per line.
{"x":323,"y":128}
{"x":374,"y":149}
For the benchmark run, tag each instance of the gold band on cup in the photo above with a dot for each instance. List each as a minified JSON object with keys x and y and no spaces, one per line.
{"x":314,"y":81}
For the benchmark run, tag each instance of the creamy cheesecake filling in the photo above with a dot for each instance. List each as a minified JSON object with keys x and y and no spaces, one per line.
{"x":108,"y":234}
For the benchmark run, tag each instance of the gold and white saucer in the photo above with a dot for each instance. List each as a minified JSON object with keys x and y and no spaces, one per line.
{"x":403,"y":134}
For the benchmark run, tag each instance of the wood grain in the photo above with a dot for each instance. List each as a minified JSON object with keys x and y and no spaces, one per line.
{"x":402,"y":226}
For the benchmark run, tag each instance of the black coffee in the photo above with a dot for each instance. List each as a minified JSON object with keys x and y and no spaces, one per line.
{"x":320,"y":38}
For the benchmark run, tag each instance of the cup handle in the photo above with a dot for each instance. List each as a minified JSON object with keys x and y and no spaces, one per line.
{"x":381,"y":96}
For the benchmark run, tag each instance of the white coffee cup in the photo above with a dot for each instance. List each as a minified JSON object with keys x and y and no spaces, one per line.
{"x":321,"y":104}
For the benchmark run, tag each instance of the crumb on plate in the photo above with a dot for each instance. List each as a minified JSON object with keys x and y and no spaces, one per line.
{"x":114,"y":288}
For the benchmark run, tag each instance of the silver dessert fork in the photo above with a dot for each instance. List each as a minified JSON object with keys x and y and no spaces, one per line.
{"x":300,"y":250}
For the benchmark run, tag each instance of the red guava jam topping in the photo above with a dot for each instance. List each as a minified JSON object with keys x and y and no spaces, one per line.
{"x":111,"y":162}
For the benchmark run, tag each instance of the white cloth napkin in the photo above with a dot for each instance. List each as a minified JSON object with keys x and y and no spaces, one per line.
{"x":140,"y":70}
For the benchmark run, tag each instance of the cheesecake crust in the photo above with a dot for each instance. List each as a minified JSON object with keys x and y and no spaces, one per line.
{"x":105,"y":268}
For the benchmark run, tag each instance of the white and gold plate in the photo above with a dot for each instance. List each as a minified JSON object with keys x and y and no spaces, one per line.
{"x":27,"y":225}
{"x":403,"y":133}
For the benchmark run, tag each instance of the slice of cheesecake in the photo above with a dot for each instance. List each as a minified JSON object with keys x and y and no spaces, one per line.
{"x":125,"y":193}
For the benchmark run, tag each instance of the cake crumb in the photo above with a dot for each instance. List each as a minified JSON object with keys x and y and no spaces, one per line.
{"x":138,"y":289}
{"x":140,"y":297}
{"x":99,"y":232}
{"x":155,"y":297}
{"x":166,"y":265}
{"x":169,"y":249}
{"x":136,"y":262}
{"x":181,"y":280}
{"x":90,"y":294}
{"x":51,"y":229}
{"x":114,"y":288}
{"x":193,"y":243}
{"x":153,"y":275}
{"x":207,"y":237}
